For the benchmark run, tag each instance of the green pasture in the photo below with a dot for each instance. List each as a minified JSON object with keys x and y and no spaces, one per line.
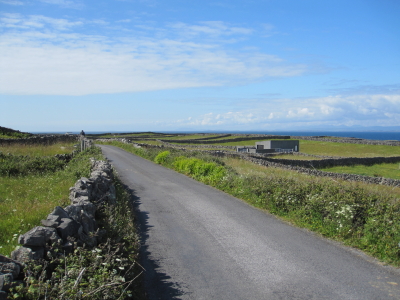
{"x":38,"y":150}
{"x":378,"y":170}
{"x":25,"y":200}
{"x":347,"y":150}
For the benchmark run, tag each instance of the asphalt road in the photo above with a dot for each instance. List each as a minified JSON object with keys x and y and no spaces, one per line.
{"x":200,"y":243}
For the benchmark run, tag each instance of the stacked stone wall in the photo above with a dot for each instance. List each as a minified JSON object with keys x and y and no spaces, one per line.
{"x":64,"y":228}
{"x":40,"y":139}
{"x":239,"y":139}
{"x":347,"y":140}
{"x":333,"y":162}
{"x":262,"y":160}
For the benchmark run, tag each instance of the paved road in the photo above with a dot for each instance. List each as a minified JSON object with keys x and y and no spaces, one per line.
{"x":200,"y":243}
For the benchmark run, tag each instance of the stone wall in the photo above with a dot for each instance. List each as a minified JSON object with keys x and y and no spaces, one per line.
{"x":333,"y":162}
{"x":41,"y":139}
{"x":347,"y":140}
{"x":64,"y":228}
{"x":263,"y":160}
{"x":239,"y":139}
{"x":310,"y":171}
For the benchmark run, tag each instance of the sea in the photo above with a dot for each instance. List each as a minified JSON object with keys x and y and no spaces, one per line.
{"x":369,"y":135}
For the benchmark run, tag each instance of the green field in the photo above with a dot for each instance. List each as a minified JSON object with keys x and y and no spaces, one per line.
{"x":347,"y":150}
{"x":378,"y":170}
{"x":38,"y":150}
{"x":25,"y":200}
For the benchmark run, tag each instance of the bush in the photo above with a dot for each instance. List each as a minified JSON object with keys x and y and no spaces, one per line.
{"x":162,"y":157}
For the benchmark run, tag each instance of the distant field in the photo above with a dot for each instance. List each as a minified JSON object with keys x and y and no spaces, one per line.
{"x":379,"y":170}
{"x":294,"y":157}
{"x":347,"y":150}
{"x":38,"y":150}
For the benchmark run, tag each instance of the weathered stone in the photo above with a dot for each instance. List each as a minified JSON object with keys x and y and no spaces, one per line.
{"x":82,"y":188}
{"x":35,"y":237}
{"x":5,"y":259}
{"x":59,"y":211}
{"x":50,"y":223}
{"x":76,"y":211}
{"x":22,"y":254}
{"x":68,"y":227}
{"x":81,"y":200}
{"x":11,"y":268}
{"x":38,"y":236}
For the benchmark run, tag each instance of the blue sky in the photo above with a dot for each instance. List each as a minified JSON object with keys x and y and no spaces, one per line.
{"x":138,"y":65}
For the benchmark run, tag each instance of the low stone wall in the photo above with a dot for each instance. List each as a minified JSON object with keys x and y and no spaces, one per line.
{"x":272,"y":163}
{"x":261,"y":159}
{"x":41,"y":139}
{"x":64,"y":228}
{"x":333,"y":162}
{"x":239,"y":139}
{"x":347,"y":140}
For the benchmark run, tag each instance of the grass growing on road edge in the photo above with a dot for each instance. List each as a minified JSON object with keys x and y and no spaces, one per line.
{"x":347,"y":212}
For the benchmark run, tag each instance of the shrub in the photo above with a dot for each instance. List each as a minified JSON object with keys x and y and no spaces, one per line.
{"x":162,"y":157}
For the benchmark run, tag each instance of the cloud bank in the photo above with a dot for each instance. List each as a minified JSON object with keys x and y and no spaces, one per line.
{"x":48,"y":56}
{"x":312,"y":113}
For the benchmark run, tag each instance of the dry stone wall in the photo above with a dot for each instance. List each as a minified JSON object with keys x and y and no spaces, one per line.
{"x":41,"y":139}
{"x":310,"y":168}
{"x":64,"y":228}
{"x":347,"y":140}
{"x":310,"y":171}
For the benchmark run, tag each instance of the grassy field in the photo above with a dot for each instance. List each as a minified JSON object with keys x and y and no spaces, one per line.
{"x":347,"y":150}
{"x":378,"y":170}
{"x":25,"y":200}
{"x":38,"y":150}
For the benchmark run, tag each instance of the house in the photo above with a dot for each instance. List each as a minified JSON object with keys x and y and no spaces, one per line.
{"x":272,"y":146}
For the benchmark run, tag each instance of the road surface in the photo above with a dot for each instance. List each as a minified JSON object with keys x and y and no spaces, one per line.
{"x":200,"y":243}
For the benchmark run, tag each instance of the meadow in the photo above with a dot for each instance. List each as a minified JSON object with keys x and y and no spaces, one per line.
{"x":31,"y":191}
{"x":378,"y":170}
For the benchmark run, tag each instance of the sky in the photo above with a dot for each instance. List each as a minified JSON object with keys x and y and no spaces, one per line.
{"x":209,"y":65}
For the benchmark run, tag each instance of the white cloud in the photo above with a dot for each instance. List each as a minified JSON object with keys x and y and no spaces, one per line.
{"x":210,"y":28}
{"x":43,"y":55}
{"x":360,"y":110}
{"x":35,"y":22}
{"x":12,"y":2}
{"x":64,"y":3}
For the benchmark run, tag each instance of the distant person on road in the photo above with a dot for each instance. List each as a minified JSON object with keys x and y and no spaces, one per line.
{"x":82,"y":133}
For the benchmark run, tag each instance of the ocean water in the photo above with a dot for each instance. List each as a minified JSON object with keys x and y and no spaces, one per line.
{"x":361,"y":135}
{"x":369,"y":135}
